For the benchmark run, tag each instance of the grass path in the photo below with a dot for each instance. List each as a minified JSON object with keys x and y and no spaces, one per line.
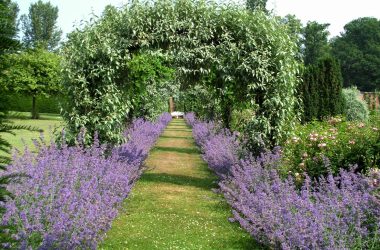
{"x":173,"y":206}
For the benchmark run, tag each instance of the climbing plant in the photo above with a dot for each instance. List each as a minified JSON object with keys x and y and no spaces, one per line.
{"x":246,"y":56}
{"x":153,"y":84}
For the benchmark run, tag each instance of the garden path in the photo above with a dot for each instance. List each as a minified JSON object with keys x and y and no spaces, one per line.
{"x":173,"y":206}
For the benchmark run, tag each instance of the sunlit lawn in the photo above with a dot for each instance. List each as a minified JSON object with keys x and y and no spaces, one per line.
{"x":47,"y":124}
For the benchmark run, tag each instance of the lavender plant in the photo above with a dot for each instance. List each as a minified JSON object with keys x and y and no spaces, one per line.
{"x":190,"y":119}
{"x":73,"y":193}
{"x":221,"y":151}
{"x":220,"y":147}
{"x":341,"y":212}
{"x":334,"y":213}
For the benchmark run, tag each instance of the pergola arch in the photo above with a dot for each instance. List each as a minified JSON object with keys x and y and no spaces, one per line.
{"x":250,"y":54}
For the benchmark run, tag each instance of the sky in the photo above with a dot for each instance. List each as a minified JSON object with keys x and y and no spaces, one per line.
{"x":335,"y":12}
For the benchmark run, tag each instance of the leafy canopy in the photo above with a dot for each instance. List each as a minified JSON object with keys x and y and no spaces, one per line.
{"x":40,"y":27}
{"x":315,"y":41}
{"x":8,"y":25}
{"x":33,"y":72}
{"x":247,"y":57}
{"x":358,"y":51}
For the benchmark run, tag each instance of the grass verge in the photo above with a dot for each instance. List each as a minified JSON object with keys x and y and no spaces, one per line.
{"x":46,"y":124}
{"x":173,"y":206}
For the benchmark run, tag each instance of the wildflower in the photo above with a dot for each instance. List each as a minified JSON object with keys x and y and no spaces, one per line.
{"x":334,"y":121}
{"x":295,"y":139}
{"x":305,"y":155}
{"x":375,"y":129}
{"x":374,"y":177}
{"x":322,"y":145}
{"x":361,"y":125}
{"x":313,"y":137}
{"x":302,"y":165}
{"x":352,"y":142}
{"x":333,"y":130}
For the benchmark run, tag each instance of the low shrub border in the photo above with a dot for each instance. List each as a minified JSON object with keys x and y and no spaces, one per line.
{"x":72,"y":194}
{"x":340,"y":212}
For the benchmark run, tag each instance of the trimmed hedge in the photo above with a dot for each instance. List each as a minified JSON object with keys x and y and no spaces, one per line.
{"x":23,"y":103}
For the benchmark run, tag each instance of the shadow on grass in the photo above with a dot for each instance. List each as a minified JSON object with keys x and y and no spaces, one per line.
{"x":177,"y":130}
{"x":178,"y":150}
{"x":182,"y":180}
{"x":176,"y":137}
{"x":27,"y":116}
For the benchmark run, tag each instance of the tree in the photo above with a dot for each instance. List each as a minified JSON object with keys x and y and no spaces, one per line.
{"x":256,"y":4}
{"x":34,"y":72}
{"x":39,"y":26}
{"x":358,"y":51}
{"x":295,"y":29}
{"x":321,"y":90}
{"x":8,"y":25}
{"x":315,"y":42}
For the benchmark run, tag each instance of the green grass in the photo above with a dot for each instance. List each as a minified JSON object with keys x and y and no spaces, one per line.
{"x":173,"y":206}
{"x":46,"y":124}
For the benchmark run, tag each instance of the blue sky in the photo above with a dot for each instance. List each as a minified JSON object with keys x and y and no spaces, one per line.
{"x":335,"y":12}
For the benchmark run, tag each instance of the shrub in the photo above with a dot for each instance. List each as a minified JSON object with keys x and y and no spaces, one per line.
{"x":329,"y":213}
{"x":221,"y":151}
{"x":190,"y":119}
{"x":320,"y":147}
{"x":73,"y":193}
{"x":355,"y":108}
{"x":335,"y":213}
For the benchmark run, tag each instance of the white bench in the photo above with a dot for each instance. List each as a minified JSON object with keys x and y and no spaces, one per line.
{"x":177,"y":114}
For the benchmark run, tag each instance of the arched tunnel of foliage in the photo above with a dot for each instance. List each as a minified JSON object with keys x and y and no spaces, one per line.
{"x":239,"y":58}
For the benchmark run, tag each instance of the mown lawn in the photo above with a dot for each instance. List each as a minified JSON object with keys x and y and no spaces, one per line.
{"x":47,"y":124}
{"x":173,"y":205}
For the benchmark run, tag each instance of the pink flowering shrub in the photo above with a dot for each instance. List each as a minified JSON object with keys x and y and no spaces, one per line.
{"x":71,"y":194}
{"x":320,"y":147}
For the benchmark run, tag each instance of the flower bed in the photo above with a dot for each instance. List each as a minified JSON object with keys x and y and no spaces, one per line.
{"x":321,"y":147}
{"x":72,"y":194}
{"x":340,"y":212}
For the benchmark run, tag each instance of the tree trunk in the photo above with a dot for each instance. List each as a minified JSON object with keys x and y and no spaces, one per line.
{"x":34,"y":110}
{"x":171,"y":105}
{"x":227,"y":113}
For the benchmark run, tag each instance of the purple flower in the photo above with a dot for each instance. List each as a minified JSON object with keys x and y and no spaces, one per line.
{"x":329,"y":213}
{"x":72,"y":194}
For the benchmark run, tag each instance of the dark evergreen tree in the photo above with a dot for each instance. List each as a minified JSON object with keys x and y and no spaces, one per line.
{"x":322,"y":90}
